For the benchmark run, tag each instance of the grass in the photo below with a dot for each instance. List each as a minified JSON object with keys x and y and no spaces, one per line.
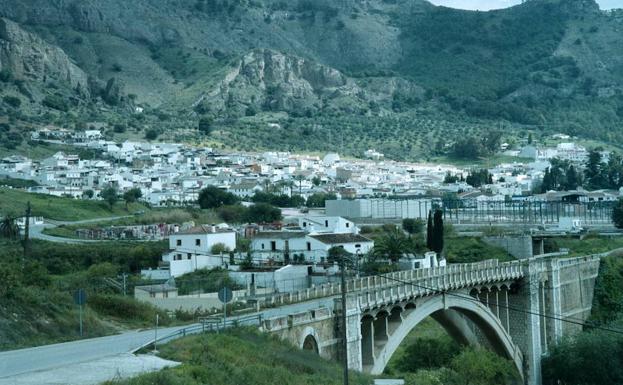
{"x":472,"y":249}
{"x":13,"y":202}
{"x":38,"y":316}
{"x":36,"y":303}
{"x":243,"y":356}
{"x":591,"y":244}
{"x":38,"y":151}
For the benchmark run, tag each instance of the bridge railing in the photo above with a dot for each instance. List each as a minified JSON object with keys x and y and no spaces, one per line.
{"x":428,"y":280}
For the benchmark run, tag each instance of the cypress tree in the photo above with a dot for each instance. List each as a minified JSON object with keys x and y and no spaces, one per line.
{"x":429,"y":231}
{"x":437,"y":238}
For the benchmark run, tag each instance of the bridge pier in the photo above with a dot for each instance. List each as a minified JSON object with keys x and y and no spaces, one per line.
{"x":525,"y":325}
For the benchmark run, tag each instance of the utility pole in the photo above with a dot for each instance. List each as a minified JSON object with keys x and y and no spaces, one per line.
{"x":344,"y":333}
{"x":26,"y":234}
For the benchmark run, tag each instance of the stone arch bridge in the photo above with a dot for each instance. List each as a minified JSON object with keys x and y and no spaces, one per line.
{"x":517,"y":309}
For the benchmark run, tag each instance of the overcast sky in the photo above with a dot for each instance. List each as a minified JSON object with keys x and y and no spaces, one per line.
{"x":484,"y":5}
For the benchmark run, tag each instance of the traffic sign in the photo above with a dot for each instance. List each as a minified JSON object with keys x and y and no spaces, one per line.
{"x":225,"y":295}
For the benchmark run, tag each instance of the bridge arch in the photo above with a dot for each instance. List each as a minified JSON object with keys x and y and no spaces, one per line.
{"x":444,"y":309}
{"x":310,"y":341}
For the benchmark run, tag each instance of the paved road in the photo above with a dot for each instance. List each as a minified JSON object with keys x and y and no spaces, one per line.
{"x":46,"y":357}
{"x":36,"y":231}
{"x":16,"y":362}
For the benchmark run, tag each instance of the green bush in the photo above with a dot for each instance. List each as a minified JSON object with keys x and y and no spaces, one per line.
{"x":12,"y":101}
{"x":56,"y":102}
{"x":128,"y":309}
{"x":428,"y":353}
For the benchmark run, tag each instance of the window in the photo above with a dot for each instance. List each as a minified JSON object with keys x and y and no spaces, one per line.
{"x":357,"y":245}
{"x":304,"y":224}
{"x":308,"y":246}
{"x":326,"y":223}
{"x":178,"y":242}
{"x":273,"y":245}
{"x":262,"y":246}
{"x":197,"y":242}
{"x":347,"y":225}
{"x":188,"y":255}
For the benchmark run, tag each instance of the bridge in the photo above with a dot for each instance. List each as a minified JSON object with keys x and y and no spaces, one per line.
{"x":517,"y":309}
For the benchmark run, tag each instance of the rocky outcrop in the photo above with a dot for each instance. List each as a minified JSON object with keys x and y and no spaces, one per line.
{"x":270,"y":80}
{"x":28,"y":57}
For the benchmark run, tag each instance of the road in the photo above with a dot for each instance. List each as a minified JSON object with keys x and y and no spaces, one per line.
{"x":47,"y":357}
{"x":36,"y":231}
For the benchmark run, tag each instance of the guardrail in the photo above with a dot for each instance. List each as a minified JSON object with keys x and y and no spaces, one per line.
{"x":207,"y":324}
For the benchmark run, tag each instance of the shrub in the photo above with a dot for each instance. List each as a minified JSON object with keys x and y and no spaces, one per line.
{"x":56,"y":102}
{"x":127,"y":308}
{"x":12,"y":101}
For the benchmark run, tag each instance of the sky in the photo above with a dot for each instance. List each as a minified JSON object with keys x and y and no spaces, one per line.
{"x":485,"y":5}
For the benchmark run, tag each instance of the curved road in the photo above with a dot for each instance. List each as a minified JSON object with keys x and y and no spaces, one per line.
{"x":36,"y":231}
{"x":46,"y":357}
{"x":15,"y":362}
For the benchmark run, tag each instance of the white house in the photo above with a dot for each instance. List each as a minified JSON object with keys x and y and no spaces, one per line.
{"x":327,"y":224}
{"x":353,"y":243}
{"x":191,"y":249}
{"x":279,"y":245}
{"x":201,"y":239}
{"x":245,"y":189}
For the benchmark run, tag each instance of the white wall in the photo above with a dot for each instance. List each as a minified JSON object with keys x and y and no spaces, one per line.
{"x":188,"y":244}
{"x":195,"y":262}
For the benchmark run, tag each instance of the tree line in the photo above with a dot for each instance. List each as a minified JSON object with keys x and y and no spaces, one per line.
{"x":598,"y":173}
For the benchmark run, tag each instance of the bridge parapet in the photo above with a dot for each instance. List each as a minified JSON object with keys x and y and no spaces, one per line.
{"x":453,"y":276}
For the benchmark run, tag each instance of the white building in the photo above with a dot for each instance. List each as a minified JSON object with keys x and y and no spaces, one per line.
{"x":201,"y":239}
{"x":192,"y":249}
{"x":326,"y":224}
{"x":279,"y":245}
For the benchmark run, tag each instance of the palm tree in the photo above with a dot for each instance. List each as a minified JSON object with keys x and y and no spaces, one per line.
{"x":391,"y":246}
{"x":9,"y":228}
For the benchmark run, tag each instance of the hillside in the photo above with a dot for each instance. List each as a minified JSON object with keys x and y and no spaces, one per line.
{"x":243,"y":356}
{"x":397,"y":75}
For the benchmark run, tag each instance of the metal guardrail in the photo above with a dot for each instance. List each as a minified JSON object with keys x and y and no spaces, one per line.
{"x":207,"y":324}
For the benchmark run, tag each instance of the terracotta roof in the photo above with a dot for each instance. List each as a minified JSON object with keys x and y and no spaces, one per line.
{"x":340,"y":238}
{"x":203,"y":229}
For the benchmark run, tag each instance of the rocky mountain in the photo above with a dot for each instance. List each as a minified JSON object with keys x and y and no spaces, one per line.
{"x":30,"y":58}
{"x":546,"y":65}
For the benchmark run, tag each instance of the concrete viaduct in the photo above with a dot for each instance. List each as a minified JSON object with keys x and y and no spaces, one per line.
{"x":517,"y":309}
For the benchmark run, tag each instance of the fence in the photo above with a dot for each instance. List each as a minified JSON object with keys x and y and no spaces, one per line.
{"x":526,"y":212}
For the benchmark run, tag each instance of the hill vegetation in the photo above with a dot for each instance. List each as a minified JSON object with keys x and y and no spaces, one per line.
{"x":36,"y":291}
{"x":243,"y":356}
{"x":400,"y":76}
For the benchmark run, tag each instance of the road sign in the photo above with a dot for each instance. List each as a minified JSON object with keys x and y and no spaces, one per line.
{"x":225,"y":295}
{"x":80,"y":297}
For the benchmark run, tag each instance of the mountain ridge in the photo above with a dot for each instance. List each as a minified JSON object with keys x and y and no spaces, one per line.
{"x":543,"y":65}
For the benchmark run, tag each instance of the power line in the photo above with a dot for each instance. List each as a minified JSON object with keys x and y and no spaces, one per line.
{"x":556,"y":317}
